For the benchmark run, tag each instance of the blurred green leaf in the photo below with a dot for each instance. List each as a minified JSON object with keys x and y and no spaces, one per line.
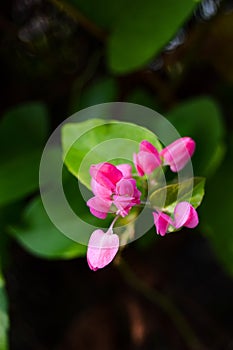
{"x":116,"y":140}
{"x":102,"y":12}
{"x":19,"y":176}
{"x":104,"y":90}
{"x":167,"y":197}
{"x":4,"y":319}
{"x":201,"y":119}
{"x":22,"y":134}
{"x":142,"y":97}
{"x":22,"y":128}
{"x":216,"y":212}
{"x":143,"y":29}
{"x":40,"y":237}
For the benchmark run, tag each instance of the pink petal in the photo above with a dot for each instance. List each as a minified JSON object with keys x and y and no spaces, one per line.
{"x":100,"y":191}
{"x":148,"y":162}
{"x":162,"y":222}
{"x":106,"y":174}
{"x":137,"y":166}
{"x":123,"y":204}
{"x":146,"y":146}
{"x":102,"y":248}
{"x":126,"y":170}
{"x":125,"y":187}
{"x":178,"y":153}
{"x":185,"y":215}
{"x":99,"y":207}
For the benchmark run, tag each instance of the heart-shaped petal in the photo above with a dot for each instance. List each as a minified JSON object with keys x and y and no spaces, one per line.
{"x":102,"y":248}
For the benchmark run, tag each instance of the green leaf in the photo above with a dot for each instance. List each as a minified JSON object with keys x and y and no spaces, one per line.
{"x":167,"y":197}
{"x":23,"y":131}
{"x":19,"y":176}
{"x":102,"y":12}
{"x":4,"y":319}
{"x":201,"y":119}
{"x":22,"y":128}
{"x":101,"y":141}
{"x":142,"y":97}
{"x":104,"y":90}
{"x":143,"y":29}
{"x":216,"y":212}
{"x":39,"y":236}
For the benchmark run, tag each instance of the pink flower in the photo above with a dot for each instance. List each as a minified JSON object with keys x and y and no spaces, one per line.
{"x":147,"y":160}
{"x":178,"y":153}
{"x":162,"y":222}
{"x":127,"y":195}
{"x":112,"y":185}
{"x":185,"y":215}
{"x":102,"y":248}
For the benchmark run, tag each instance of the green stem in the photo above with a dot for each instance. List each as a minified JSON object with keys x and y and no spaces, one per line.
{"x":162,"y":301}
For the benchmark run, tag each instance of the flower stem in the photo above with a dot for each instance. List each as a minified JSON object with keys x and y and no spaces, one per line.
{"x":163,"y":302}
{"x":76,"y":15}
{"x":145,"y":203}
{"x":114,"y":221}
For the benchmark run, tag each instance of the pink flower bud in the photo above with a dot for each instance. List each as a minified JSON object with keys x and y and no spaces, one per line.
{"x":102,"y":248}
{"x":185,"y":215}
{"x":147,"y":159}
{"x":162,"y":222}
{"x":178,"y":153}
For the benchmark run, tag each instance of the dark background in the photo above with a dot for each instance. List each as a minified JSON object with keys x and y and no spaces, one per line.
{"x":50,"y":57}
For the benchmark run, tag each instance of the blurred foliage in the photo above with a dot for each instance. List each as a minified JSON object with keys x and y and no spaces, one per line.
{"x":23,"y":131}
{"x":201,"y":119}
{"x":175,"y":57}
{"x":40,"y":237}
{"x":217,"y":210}
{"x":149,"y":36}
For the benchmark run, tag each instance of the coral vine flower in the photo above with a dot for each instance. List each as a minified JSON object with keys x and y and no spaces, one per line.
{"x":184,"y":215}
{"x":147,"y":160}
{"x":102,"y":248}
{"x":127,"y":195}
{"x":112,"y":186}
{"x":178,"y":153}
{"x":115,"y":191}
{"x":162,"y":222}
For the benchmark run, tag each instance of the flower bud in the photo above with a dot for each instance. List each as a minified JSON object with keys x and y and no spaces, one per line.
{"x":185,"y":215}
{"x":178,"y":153}
{"x":147,"y":159}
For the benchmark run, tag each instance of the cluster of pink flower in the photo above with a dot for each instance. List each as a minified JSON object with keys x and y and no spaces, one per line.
{"x":115,"y":191}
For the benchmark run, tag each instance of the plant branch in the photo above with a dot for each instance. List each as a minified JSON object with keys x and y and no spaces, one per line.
{"x":79,"y":17}
{"x":163,"y":302}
